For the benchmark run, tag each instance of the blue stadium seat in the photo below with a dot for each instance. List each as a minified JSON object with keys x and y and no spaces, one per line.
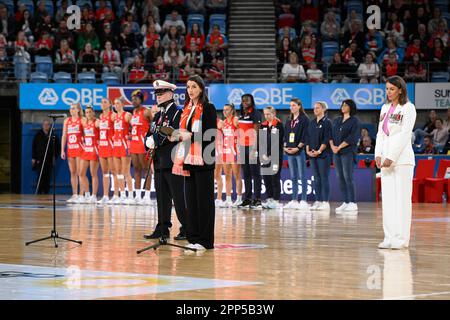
{"x":329,"y":48}
{"x":82,"y":3}
{"x":38,"y":77}
{"x":62,"y":77}
{"x":29,"y":4}
{"x":108,"y":4}
{"x":440,"y":77}
{"x":45,"y":65}
{"x":292,"y":33}
{"x":196,"y":18}
{"x":58,"y":3}
{"x":441,"y":4}
{"x":86,"y":77}
{"x":357,"y":6}
{"x":49,"y":7}
{"x":9,"y":5}
{"x":219,"y":19}
{"x":21,"y":70}
{"x":110,"y":78}
{"x":446,"y":16}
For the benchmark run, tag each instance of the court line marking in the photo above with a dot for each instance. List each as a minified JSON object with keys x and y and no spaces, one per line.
{"x":417,"y":296}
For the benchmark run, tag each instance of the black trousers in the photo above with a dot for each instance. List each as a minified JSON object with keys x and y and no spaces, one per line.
{"x":252,"y":173}
{"x":201,"y":208}
{"x":272,"y":183}
{"x":44,"y":187}
{"x":169,"y":186}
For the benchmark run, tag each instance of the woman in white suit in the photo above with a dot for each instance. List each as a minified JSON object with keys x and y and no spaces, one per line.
{"x":395,"y":157}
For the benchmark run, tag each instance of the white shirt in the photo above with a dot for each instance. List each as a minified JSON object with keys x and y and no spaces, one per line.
{"x":397,"y":146}
{"x":289,"y":70}
{"x":368,"y":70}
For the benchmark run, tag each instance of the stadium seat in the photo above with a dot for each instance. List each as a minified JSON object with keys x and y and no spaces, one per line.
{"x":286,"y":20}
{"x":82,"y":3}
{"x":29,"y":4}
{"x":38,"y":77}
{"x":110,"y":78}
{"x":441,"y":4}
{"x":439,"y":77}
{"x":62,"y":77}
{"x":9,"y":5}
{"x":424,"y":169}
{"x":108,"y":4}
{"x":292,"y":33}
{"x":196,"y":18}
{"x":58,"y":3}
{"x":329,"y":48}
{"x":219,"y":19}
{"x":357,"y":6}
{"x":45,"y":65}
{"x":21,"y":70}
{"x":435,"y":187}
{"x":49,"y":7}
{"x":446,"y":16}
{"x":86,"y":77}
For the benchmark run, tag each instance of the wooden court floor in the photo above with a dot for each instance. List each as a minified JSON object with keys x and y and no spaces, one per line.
{"x":266,"y":254}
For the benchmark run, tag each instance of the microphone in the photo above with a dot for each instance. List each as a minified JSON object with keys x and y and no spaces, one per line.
{"x":57,"y":115}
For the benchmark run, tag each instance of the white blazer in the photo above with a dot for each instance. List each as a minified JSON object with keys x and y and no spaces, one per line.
{"x":397,"y":146}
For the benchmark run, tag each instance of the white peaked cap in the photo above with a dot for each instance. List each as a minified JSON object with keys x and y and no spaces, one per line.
{"x":161,"y":84}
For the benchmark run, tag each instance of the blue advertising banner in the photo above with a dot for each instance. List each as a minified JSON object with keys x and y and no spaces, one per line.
{"x":59,"y":96}
{"x":273,"y":94}
{"x":366,"y":96}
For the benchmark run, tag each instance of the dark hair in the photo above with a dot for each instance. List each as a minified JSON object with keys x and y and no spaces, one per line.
{"x":203,"y":99}
{"x":252,"y":101}
{"x":401,"y":84}
{"x":351,"y":104}
{"x":298,"y":102}
{"x":233,"y":109}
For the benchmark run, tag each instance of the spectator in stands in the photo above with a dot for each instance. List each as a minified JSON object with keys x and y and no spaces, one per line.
{"x":88,"y":58}
{"x":149,"y":38}
{"x":61,"y":11}
{"x":173,"y":35}
{"x":215,"y":37}
{"x":351,"y":18}
{"x":106,"y":34}
{"x":421,"y":17}
{"x":374,"y":41}
{"x":354,"y":34}
{"x":308,"y":49}
{"x":3,"y":42}
{"x":21,"y":60}
{"x":87,"y":16}
{"x":174,"y":20}
{"x":88,"y":36}
{"x":366,"y":146}
{"x":352,"y":54}
{"x":213,"y":53}
{"x":174,"y":56}
{"x":40,"y":13}
{"x":391,"y":68}
{"x":394,"y":28}
{"x":7,"y":23}
{"x":307,"y":29}
{"x":415,"y":70}
{"x":102,"y":11}
{"x":215,"y":72}
{"x":293,"y":71}
{"x":427,"y":128}
{"x":110,"y":59}
{"x":148,"y":8}
{"x":22,"y":41}
{"x":130,"y":7}
{"x":446,"y":123}
{"x":309,"y":13}
{"x":340,"y":72}
{"x":287,"y":32}
{"x":369,"y":71}
{"x":409,"y":23}
{"x":45,"y":25}
{"x":65,"y":58}
{"x":216,"y":6}
{"x":26,"y":25}
{"x":439,"y":56}
{"x":44,"y":46}
{"x":133,"y":24}
{"x":196,"y":6}
{"x":194,"y":58}
{"x":4,"y":64}
{"x":391,"y":48}
{"x":414,"y":48}
{"x":427,"y":147}
{"x":398,"y":7}
{"x":18,"y":16}
{"x":155,"y":51}
{"x":63,"y":33}
{"x":136,"y":70}
{"x":195,"y":36}
{"x":160,"y":71}
{"x":283,"y":52}
{"x":441,"y":33}
{"x":434,"y":22}
{"x":150,"y":21}
{"x":127,"y":42}
{"x":329,"y":28}
{"x":422,"y":35}
{"x":331,"y":6}
{"x":313,"y":73}
{"x":439,"y":134}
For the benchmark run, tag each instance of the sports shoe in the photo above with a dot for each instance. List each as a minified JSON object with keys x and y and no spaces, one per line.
{"x":83,"y":200}
{"x":351,"y":207}
{"x":325,"y":206}
{"x":236,"y":203}
{"x":199,"y":247}
{"x":103,"y":200}
{"x":315,"y":205}
{"x":398,"y":245}
{"x":190,"y":246}
{"x":342,"y":207}
{"x":139,"y":201}
{"x":119,"y":200}
{"x":227,"y":204}
{"x":147,"y":201}
{"x":128,"y":201}
{"x":289,"y":205}
{"x":218,"y":203}
{"x":384,"y":245}
{"x":303,"y":205}
{"x":266,"y":203}
{"x":72,"y":199}
{"x":274,"y":204}
{"x":245,"y":204}
{"x":113,"y":200}
{"x":256,"y":204}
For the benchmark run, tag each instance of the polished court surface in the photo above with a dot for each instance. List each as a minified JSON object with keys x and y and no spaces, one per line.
{"x":260,"y":254}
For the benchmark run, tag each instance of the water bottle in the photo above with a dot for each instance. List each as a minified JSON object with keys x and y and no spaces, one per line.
{"x":444,"y":199}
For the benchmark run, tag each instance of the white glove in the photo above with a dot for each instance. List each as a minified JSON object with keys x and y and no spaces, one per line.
{"x":150,"y":143}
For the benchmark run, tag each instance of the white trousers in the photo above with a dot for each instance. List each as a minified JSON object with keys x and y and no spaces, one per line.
{"x":396,"y":192}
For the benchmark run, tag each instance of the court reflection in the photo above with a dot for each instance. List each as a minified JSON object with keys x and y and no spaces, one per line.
{"x":397,"y":274}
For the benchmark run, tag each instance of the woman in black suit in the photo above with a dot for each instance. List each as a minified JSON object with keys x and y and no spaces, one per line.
{"x":195,"y":159}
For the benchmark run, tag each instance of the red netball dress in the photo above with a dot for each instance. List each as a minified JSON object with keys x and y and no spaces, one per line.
{"x":105,"y":141}
{"x":219,"y":144}
{"x":74,"y":138}
{"x":229,"y":144}
{"x":120,"y":139}
{"x":139,"y":129}
{"x":90,"y":141}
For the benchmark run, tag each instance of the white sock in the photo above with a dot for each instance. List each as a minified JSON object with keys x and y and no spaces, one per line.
{"x":130,"y":194}
{"x":123,"y":194}
{"x":138,"y":193}
{"x":228,"y":198}
{"x":87,"y":194}
{"x":239,"y":197}
{"x":147,"y":194}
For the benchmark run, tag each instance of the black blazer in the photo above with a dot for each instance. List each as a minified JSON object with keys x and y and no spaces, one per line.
{"x":208,"y":121}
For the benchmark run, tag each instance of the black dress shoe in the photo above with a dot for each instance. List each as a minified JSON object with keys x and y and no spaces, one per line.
{"x":155,"y":235}
{"x":180,"y":236}
{"x":245,"y":204}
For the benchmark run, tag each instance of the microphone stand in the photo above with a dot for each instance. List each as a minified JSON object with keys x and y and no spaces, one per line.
{"x":162,"y":240}
{"x":53,"y":234}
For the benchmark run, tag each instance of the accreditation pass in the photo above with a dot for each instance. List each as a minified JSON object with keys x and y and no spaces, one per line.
{"x":226,"y":310}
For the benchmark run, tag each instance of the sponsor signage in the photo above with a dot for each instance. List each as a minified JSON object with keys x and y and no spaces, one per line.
{"x":433,"y":96}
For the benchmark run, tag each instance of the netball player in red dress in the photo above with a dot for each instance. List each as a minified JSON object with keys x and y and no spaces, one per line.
{"x":219,"y":164}
{"x":122,"y":159}
{"x":140,"y":124}
{"x":72,"y":135}
{"x":90,"y":155}
{"x":105,"y":149}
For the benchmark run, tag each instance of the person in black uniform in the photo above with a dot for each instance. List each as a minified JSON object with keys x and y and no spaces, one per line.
{"x":271,"y":150}
{"x":38,"y":154}
{"x":195,"y":160}
{"x":168,"y":186}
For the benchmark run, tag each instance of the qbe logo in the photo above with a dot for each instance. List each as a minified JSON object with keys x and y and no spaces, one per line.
{"x":48,"y":97}
{"x":362,"y":96}
{"x":263,"y":96}
{"x":339,"y":95}
{"x":235,"y":96}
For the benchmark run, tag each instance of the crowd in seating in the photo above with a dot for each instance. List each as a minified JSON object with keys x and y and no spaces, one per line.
{"x":331,"y":38}
{"x":118,"y":41}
